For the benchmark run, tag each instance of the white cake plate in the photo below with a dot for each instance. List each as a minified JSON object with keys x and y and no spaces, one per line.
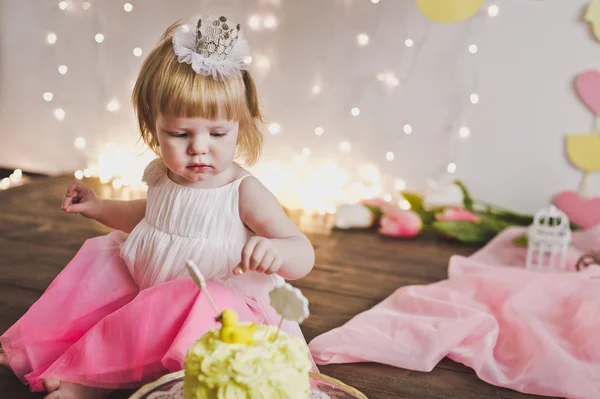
{"x":170,"y":386}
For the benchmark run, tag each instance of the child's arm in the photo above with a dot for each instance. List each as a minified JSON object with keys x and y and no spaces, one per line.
{"x":279,"y":246}
{"x":120,"y":215}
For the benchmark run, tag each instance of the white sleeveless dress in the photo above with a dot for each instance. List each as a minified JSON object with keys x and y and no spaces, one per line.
{"x":184,"y":223}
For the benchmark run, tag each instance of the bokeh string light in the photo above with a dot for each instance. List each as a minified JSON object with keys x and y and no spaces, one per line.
{"x":316,"y":185}
{"x":459,"y":130}
{"x":15,"y":179}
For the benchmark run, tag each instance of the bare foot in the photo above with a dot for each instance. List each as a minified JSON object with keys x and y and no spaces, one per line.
{"x":69,"y":390}
{"x":4,"y":359}
{"x":51,"y":384}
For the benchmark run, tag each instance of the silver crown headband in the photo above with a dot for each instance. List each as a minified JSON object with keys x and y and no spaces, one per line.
{"x":212,"y":46}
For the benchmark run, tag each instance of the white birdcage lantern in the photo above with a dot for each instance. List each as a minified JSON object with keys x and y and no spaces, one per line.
{"x":549,"y":238}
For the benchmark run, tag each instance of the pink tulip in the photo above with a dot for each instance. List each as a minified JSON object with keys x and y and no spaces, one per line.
{"x":456,"y":214}
{"x":400,"y":223}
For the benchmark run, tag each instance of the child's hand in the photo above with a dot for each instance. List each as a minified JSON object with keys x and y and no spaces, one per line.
{"x":82,"y":199}
{"x":259,"y":254}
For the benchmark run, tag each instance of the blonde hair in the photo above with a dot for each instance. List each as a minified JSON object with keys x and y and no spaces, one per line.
{"x":169,"y":87}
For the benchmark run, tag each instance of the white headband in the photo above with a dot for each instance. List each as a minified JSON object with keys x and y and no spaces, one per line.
{"x":212,"y":47}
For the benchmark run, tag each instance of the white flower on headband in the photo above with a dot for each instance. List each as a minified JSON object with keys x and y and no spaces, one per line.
{"x":212,"y":46}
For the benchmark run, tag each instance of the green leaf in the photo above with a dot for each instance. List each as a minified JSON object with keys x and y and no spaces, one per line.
{"x":473,"y":233}
{"x":415,"y":201}
{"x":515,"y":218}
{"x":467,"y":232}
{"x":521,"y":241}
{"x":416,"y":204}
{"x":506,"y":215}
{"x":467,"y":199}
{"x":493,"y":223}
{"x":376,"y":211}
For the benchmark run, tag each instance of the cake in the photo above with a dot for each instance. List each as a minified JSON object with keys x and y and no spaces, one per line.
{"x":265,"y":368}
{"x":249,"y":361}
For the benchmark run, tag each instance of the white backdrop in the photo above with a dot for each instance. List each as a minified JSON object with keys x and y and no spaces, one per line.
{"x":522,"y":72}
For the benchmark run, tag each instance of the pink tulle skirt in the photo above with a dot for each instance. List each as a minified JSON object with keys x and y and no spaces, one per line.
{"x":94,"y":326}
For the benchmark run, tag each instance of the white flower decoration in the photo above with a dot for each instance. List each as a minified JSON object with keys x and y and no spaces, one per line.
{"x":289,"y":303}
{"x":154,"y":171}
{"x":219,"y":66}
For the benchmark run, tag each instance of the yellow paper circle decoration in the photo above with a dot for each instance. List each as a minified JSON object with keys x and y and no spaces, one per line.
{"x":449,"y":10}
{"x":592,"y":16}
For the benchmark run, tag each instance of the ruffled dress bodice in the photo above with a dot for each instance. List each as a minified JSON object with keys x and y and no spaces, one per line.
{"x":184,"y":223}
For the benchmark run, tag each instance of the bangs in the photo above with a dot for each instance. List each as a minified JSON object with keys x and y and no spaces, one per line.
{"x":181,"y":92}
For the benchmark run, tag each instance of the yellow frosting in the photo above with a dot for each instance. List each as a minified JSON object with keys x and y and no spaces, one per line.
{"x":264,"y":369}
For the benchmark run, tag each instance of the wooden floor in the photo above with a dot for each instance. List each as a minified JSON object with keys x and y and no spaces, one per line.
{"x":353,"y":272}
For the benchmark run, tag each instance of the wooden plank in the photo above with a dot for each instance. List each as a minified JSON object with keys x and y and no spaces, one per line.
{"x":14,"y":302}
{"x":41,"y":196}
{"x":31,"y":266}
{"x":356,"y":281}
{"x":328,"y":310}
{"x":54,"y":232}
{"x":426,"y":258}
{"x":12,"y":388}
{"x":386,"y":382}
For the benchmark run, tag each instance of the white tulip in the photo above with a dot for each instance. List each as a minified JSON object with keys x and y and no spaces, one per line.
{"x":353,"y":216}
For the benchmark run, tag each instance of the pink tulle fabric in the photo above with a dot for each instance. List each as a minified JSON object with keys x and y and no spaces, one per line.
{"x":534,"y":332}
{"x":94,"y":326}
